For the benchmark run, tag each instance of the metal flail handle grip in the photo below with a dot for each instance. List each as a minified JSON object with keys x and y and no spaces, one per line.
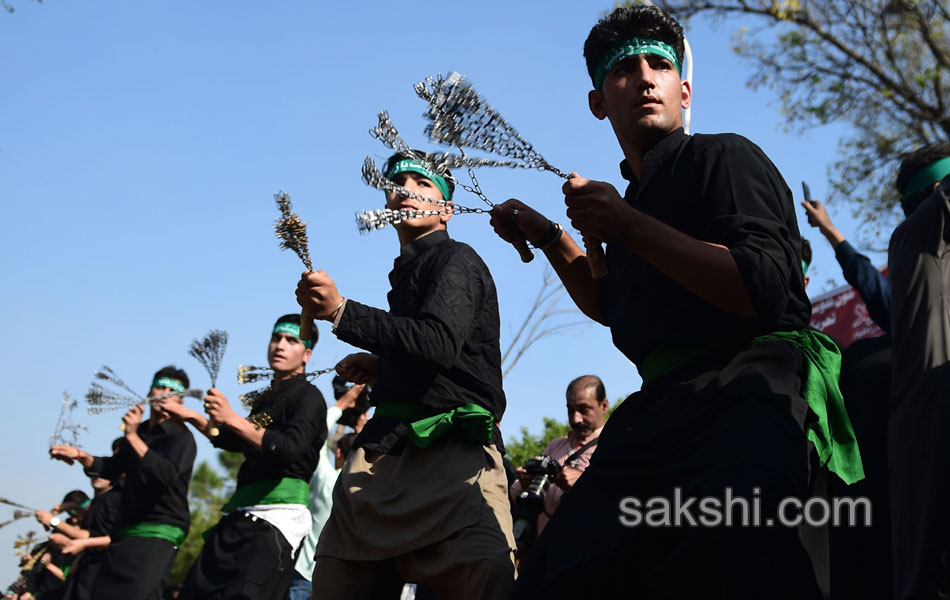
{"x":596,"y":258}
{"x":213,"y":430}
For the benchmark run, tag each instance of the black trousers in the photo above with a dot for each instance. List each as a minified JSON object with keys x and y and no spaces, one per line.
{"x":724,"y":426}
{"x":244,"y":558}
{"x":135,"y":567}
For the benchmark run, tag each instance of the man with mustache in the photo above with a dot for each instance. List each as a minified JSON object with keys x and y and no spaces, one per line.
{"x":587,"y":408}
{"x":704,"y":293}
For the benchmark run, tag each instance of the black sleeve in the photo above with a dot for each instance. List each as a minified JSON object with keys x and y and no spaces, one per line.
{"x":175,"y":460}
{"x":749,"y":210}
{"x":230,"y":441}
{"x":870,"y":283}
{"x":435,"y":336}
{"x":112,"y":467}
{"x":304,"y":426}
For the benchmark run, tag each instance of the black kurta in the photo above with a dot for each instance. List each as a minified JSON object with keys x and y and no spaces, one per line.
{"x":918,"y":448}
{"x":245,"y":556}
{"x":438,"y":344}
{"x":292,"y":440}
{"x":156,"y":485}
{"x":156,"y":491}
{"x":99,"y":521}
{"x":732,"y":419}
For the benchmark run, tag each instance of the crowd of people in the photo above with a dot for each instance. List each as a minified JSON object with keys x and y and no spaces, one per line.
{"x":703,"y":290}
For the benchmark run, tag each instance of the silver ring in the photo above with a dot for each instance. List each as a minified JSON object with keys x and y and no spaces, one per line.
{"x":514,"y":214}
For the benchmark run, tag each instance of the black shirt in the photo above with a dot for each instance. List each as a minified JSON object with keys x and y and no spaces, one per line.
{"x":103,"y":513}
{"x":720,"y":189}
{"x":297,"y":427}
{"x":156,"y":486}
{"x":438,"y":344}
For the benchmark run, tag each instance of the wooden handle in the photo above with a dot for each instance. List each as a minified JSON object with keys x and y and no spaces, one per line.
{"x":122,"y":426}
{"x":526,"y":254}
{"x":213,"y":430}
{"x":596,"y":258}
{"x":306,"y":331}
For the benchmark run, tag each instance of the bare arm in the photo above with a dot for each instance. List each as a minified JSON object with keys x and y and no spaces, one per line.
{"x":218,"y":408}
{"x":567,"y":259}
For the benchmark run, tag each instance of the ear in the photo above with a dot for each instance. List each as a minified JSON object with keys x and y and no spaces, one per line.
{"x":446,"y":216}
{"x":307,"y":354}
{"x":686,"y":94}
{"x":595,"y":100}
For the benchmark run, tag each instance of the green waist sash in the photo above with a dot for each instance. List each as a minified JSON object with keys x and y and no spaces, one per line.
{"x":270,"y":491}
{"x":831,"y":431}
{"x":175,"y":535}
{"x":426,"y":425}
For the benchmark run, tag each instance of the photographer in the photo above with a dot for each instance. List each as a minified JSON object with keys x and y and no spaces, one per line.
{"x":587,"y":408}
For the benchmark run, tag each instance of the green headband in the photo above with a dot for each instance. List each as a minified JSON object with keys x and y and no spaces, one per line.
{"x":926,"y":176}
{"x":804,"y":267}
{"x":408,"y":164}
{"x":292,"y":329}
{"x":168,"y":382}
{"x":632,"y":47}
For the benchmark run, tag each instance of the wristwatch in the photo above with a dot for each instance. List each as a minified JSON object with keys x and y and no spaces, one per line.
{"x":54,"y":522}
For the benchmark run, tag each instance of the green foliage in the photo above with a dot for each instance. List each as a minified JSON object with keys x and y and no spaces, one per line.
{"x":208,"y":492}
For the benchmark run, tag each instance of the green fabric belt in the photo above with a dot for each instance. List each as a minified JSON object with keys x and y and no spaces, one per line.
{"x":161,"y":531}
{"x":831,"y":432}
{"x":426,"y":425}
{"x":270,"y":491}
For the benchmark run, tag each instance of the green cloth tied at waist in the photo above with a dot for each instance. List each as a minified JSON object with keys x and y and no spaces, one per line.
{"x":426,"y":425}
{"x":162,"y":531}
{"x":831,"y":432}
{"x":287,"y":490}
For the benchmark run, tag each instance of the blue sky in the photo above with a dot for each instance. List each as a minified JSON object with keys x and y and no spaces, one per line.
{"x":141,"y":145}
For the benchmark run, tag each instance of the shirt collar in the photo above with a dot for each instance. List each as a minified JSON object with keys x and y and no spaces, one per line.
{"x":419,"y":245}
{"x":654,"y":156}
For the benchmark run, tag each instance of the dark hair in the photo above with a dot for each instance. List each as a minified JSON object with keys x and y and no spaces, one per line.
{"x":295,"y":319}
{"x":173,"y":372}
{"x":345,"y":444}
{"x":806,"y":251}
{"x":910,"y":164}
{"x":585,"y":382}
{"x":75,"y":497}
{"x":628,"y":21}
{"x":429,"y":158}
{"x":117,"y":443}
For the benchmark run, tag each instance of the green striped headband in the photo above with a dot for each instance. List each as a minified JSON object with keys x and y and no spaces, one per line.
{"x":415,"y":166}
{"x":926,"y":176}
{"x":632,"y":47}
{"x":292,"y":329}
{"x":168,"y":382}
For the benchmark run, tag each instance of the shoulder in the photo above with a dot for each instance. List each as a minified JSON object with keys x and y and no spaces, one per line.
{"x":718,"y":146}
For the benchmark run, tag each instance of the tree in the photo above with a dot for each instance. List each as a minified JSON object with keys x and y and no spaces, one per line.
{"x":546,"y":317}
{"x":207,"y":493}
{"x":9,"y":9}
{"x":881,"y":65}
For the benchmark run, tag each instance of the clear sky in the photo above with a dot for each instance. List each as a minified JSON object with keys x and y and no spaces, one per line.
{"x":141,"y":145}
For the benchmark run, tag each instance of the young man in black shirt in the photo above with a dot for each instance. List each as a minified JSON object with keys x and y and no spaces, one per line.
{"x":156,"y":456}
{"x":250,"y":553}
{"x":422,"y":497}
{"x":704,"y":294}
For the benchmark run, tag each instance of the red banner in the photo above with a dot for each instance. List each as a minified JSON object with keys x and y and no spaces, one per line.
{"x":842,"y":314}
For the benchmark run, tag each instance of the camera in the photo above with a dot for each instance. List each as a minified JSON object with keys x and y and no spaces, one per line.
{"x":543,"y":470}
